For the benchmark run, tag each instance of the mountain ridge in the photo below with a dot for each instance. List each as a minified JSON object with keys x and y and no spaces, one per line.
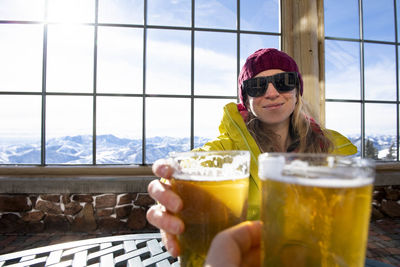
{"x":115,"y":150}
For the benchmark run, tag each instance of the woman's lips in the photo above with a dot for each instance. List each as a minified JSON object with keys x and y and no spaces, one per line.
{"x":273,"y":106}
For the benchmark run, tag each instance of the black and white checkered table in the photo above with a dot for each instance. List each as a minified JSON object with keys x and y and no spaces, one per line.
{"x":124,"y":250}
{"x":136,"y":250}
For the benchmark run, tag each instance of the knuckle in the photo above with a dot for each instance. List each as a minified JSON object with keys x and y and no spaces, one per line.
{"x":150,"y":214}
{"x":154,"y":215}
{"x":154,"y":188}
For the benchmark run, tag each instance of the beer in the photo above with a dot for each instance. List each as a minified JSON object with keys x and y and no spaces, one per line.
{"x":209,"y":207}
{"x":214,"y":188}
{"x":318,"y":216}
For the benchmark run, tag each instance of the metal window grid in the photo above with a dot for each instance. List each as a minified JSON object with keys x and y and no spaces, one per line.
{"x":143,"y":95}
{"x":364,"y":101}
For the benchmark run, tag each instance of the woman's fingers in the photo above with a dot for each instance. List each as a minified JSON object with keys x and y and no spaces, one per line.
{"x":170,"y":225}
{"x":160,"y":218}
{"x":161,"y":215}
{"x":171,"y":244}
{"x":164,"y":195}
{"x":162,"y":168}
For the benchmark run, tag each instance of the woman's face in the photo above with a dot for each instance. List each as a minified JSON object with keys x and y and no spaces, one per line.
{"x":273,"y":108}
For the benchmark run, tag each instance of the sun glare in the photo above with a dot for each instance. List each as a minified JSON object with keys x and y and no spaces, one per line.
{"x":71,"y":11}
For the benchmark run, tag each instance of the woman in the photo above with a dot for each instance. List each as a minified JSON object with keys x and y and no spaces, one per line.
{"x":270,"y":117}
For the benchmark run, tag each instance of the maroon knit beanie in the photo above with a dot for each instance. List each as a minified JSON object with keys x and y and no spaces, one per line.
{"x":266,"y":59}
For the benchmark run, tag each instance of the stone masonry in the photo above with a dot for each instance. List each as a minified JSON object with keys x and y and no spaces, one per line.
{"x":386,"y":202}
{"x":89,"y":213}
{"x":116,"y":213}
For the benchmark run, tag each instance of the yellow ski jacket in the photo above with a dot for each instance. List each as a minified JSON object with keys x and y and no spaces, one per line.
{"x":235,"y":136}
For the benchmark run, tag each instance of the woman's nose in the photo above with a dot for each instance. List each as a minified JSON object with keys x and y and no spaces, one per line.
{"x":271,"y":91}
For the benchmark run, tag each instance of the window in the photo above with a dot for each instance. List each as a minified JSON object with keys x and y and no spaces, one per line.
{"x":362,"y":74}
{"x":121,"y":81}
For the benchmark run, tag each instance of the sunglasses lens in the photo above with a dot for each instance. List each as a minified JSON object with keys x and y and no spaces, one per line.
{"x":283,"y":82}
{"x":255,"y":87}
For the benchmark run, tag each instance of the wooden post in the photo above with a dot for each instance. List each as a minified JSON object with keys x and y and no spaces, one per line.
{"x":303,"y":39}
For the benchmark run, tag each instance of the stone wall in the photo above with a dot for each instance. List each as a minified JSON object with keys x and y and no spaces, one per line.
{"x":90,"y":213}
{"x":116,"y":213}
{"x":386,"y":202}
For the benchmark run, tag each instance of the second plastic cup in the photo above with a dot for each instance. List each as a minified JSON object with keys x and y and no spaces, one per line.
{"x":214,"y":188}
{"x":315,"y":209}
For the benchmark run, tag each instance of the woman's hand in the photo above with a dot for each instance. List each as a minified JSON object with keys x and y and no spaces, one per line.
{"x":161,"y":215}
{"x":236,"y":246}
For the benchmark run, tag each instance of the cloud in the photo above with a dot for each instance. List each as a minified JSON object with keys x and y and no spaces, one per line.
{"x":341,"y":54}
{"x":343,"y":82}
{"x":213,"y":13}
{"x":380,"y":80}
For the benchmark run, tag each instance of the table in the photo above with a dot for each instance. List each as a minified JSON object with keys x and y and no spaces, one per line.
{"x":136,"y":250}
{"x":124,"y":250}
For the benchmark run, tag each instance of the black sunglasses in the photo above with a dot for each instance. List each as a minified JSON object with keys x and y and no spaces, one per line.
{"x":283,"y":82}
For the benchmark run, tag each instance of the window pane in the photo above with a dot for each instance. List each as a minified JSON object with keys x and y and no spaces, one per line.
{"x":341,"y":18}
{"x":69,"y":129}
{"x":120,"y":60}
{"x":21,"y":50}
{"x":342,"y":70}
{"x":70,"y":58}
{"x":207,"y":118}
{"x":216,"y":14}
{"x":119,"y":130}
{"x":345,"y":119}
{"x":215,"y":64}
{"x":71,"y":10}
{"x":398,"y":17}
{"x":20,"y":118}
{"x":259,"y":15}
{"x":22,"y":10}
{"x":380,"y":131}
{"x":378,"y":20}
{"x":169,"y":12}
{"x":380,"y":72}
{"x":168,"y":62}
{"x":249,"y":43}
{"x":121,"y":11}
{"x":167,"y":127}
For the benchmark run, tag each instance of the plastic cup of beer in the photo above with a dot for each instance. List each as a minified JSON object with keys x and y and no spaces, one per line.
{"x":214,"y":188}
{"x":315,"y":209}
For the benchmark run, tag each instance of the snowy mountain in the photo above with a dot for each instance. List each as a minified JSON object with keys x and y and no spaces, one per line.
{"x":110,"y":150}
{"x":382,"y":143}
{"x":115,"y":150}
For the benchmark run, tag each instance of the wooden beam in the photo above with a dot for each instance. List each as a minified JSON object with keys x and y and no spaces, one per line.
{"x":303,"y":39}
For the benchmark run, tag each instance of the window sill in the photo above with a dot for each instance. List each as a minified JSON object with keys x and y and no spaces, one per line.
{"x":74,"y":179}
{"x":112,"y":179}
{"x":387,"y":173}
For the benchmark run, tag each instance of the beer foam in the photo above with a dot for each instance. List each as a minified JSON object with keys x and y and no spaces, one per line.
{"x":210,"y":177}
{"x":210,"y":166}
{"x":300,"y":172}
{"x":325,"y":181}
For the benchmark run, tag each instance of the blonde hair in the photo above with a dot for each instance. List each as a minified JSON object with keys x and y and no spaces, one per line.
{"x":306,"y":134}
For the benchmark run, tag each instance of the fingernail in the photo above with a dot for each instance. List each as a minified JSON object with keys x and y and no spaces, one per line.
{"x":163,"y":171}
{"x":177,"y":229}
{"x":175,"y":205}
